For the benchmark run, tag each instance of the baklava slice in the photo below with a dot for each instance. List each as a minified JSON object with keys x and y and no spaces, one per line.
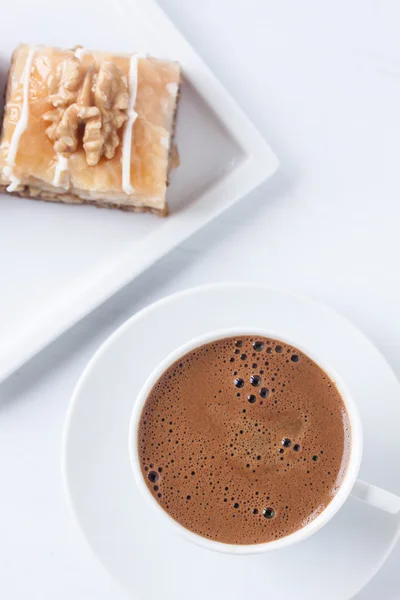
{"x":89,"y":127}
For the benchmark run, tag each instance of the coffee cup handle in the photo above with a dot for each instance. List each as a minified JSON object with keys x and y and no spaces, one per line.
{"x":375,"y":496}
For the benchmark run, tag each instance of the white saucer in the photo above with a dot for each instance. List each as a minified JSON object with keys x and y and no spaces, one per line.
{"x":135,"y":546}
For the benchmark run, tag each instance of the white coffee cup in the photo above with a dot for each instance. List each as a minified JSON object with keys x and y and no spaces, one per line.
{"x":350,"y":486}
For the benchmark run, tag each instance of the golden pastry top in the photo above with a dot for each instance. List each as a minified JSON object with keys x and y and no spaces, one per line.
{"x":88,"y":106}
{"x":138,"y":136}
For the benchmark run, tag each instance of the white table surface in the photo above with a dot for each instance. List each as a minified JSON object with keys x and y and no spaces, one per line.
{"x":321,"y":80}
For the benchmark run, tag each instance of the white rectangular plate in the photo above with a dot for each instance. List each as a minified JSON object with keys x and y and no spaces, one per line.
{"x":60,"y":262}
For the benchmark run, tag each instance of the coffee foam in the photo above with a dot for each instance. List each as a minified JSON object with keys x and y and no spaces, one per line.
{"x":244,"y":444}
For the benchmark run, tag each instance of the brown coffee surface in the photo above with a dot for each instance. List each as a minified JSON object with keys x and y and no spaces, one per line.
{"x":244,"y":440}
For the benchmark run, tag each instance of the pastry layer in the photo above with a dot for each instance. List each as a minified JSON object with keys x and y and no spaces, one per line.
{"x":70,"y":198}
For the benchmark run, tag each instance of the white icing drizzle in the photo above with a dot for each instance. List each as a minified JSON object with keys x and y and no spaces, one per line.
{"x":172,"y":88}
{"x":14,"y":181}
{"x":62,"y":161}
{"x":79,"y":52}
{"x":164,"y":141}
{"x":21,"y":125}
{"x":61,"y":166}
{"x":132,"y":116}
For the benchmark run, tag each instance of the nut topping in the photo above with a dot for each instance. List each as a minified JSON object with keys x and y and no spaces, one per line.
{"x":89,"y":106}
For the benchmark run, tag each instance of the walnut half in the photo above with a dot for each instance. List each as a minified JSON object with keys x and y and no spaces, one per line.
{"x":89,"y":106}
